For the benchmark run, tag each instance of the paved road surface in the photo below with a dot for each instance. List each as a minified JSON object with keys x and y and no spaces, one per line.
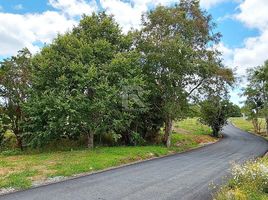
{"x":184,"y":176}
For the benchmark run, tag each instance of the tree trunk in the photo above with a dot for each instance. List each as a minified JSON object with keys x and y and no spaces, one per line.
{"x":19,"y":138}
{"x":168,"y":132}
{"x":90,"y":140}
{"x":215,"y":132}
{"x":19,"y":143}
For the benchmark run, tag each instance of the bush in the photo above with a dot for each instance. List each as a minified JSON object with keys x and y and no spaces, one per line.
{"x":136,"y":139}
{"x":9,"y":141}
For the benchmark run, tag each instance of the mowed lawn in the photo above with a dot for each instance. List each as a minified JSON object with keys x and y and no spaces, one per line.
{"x":28,"y":168}
{"x":246,"y":125}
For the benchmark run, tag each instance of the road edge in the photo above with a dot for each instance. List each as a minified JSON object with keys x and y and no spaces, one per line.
{"x":110,"y":169}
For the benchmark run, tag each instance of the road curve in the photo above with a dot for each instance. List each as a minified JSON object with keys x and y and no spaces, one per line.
{"x":184,"y":176}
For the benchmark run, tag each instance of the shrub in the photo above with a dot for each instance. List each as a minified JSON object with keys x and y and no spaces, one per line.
{"x":9,"y":141}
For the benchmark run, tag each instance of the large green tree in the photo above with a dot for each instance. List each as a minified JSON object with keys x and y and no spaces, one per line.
{"x":78,"y":81}
{"x":15,"y":81}
{"x":178,"y":58}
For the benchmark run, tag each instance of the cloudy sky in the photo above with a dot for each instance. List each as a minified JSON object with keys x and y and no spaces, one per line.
{"x":31,"y":23}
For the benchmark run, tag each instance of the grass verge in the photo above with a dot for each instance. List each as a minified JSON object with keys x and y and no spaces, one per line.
{"x":249,"y":182}
{"x":246,"y":125}
{"x":23,"y":170}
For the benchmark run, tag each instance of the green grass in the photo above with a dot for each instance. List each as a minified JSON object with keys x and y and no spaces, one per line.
{"x":194,"y":126}
{"x":250,"y":181}
{"x":246,"y":125}
{"x":20,"y":169}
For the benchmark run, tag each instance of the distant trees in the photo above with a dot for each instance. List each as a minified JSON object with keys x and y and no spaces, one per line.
{"x":256,"y":104}
{"x":235,"y":110}
{"x":215,"y":113}
{"x":96,"y":81}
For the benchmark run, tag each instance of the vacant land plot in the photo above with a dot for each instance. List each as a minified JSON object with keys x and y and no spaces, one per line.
{"x":23,"y":169}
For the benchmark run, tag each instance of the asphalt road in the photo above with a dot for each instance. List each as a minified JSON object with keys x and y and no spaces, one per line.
{"x":183,"y":176}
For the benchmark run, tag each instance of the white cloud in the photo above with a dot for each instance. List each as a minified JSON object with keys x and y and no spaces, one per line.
{"x":18,"y":31}
{"x":128,"y":13}
{"x":254,"y":13}
{"x":209,"y":3}
{"x":253,"y":52}
{"x":74,"y":7}
{"x":28,"y":30}
{"x":227,"y":53}
{"x":254,"y":49}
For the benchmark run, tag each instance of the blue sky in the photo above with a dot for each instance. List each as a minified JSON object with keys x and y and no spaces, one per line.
{"x":31,"y":23}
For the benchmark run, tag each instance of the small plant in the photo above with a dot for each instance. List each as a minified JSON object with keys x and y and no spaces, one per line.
{"x":136,"y":139}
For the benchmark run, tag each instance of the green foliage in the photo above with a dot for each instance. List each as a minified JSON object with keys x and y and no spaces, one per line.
{"x":78,"y":82}
{"x":256,"y":104}
{"x":194,"y":126}
{"x":215,"y":112}
{"x":178,"y":62}
{"x":9,"y":141}
{"x":97,"y":84}
{"x":15,"y":80}
{"x":235,"y":110}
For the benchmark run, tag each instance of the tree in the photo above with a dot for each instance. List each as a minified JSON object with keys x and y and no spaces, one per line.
{"x":235,"y":110}
{"x":215,"y":113}
{"x":253,"y":107}
{"x":2,"y":129}
{"x":260,"y":76}
{"x":256,"y":92}
{"x":15,"y":80}
{"x":177,"y":60}
{"x":129,"y":102}
{"x":77,"y":82}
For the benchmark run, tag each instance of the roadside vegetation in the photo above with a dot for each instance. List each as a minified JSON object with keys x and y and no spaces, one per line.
{"x":247,"y":125}
{"x":100,"y":86}
{"x":256,"y":93}
{"x":249,"y":182}
{"x":23,"y":169}
{"x":97,"y":97}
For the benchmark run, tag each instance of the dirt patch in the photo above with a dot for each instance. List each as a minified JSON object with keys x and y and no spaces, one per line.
{"x":5,"y":171}
{"x":204,"y":139}
{"x":181,"y":144}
